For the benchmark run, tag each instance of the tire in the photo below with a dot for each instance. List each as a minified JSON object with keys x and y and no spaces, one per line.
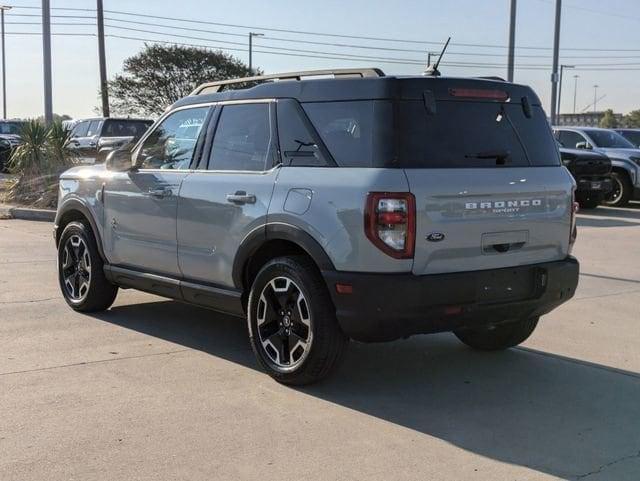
{"x":289,"y":304}
{"x":622,"y":191}
{"x":89,"y":290}
{"x":589,"y":203}
{"x":496,"y":338}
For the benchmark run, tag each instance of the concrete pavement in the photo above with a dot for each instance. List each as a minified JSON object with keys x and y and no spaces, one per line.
{"x":157,"y":390}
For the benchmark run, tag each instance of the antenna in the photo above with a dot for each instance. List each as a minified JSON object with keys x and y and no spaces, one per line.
{"x":432,"y":70}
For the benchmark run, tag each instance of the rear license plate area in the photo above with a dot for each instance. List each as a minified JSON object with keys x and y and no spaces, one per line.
{"x":506,"y":285}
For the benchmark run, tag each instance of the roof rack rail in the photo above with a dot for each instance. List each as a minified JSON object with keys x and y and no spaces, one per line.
{"x":213,"y":87}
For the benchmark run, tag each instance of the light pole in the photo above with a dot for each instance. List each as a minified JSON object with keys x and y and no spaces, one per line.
{"x":562,"y":67}
{"x":46,"y":61}
{"x":251,"y":35}
{"x":104,"y":92}
{"x":556,"y":54}
{"x":4,"y":69}
{"x":595,"y":97}
{"x":575,"y":91}
{"x":512,"y":41}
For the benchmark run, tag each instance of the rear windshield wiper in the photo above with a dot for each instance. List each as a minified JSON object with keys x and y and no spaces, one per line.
{"x":501,"y":156}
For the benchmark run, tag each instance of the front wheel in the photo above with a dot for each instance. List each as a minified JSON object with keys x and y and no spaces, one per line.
{"x":495,"y":338}
{"x":80,"y":270}
{"x":622,"y":191}
{"x":293,"y":328}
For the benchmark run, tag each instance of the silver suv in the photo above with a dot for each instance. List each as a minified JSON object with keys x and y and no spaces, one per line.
{"x":333,"y":205}
{"x":624,"y":156}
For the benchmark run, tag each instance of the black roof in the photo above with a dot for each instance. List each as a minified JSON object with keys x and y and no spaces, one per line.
{"x":368,"y":88}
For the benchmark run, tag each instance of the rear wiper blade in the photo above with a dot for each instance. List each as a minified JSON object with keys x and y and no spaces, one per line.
{"x":501,"y":156}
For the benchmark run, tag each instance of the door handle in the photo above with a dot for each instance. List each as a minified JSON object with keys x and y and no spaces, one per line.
{"x":241,"y":197}
{"x":160,"y":192}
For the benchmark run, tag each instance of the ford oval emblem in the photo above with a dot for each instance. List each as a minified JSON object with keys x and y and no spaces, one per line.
{"x":435,"y":237}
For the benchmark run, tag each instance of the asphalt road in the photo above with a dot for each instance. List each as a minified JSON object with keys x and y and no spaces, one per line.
{"x":157,"y":390}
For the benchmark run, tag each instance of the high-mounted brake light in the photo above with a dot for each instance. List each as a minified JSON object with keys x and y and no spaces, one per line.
{"x":390,"y":223}
{"x":500,"y":95}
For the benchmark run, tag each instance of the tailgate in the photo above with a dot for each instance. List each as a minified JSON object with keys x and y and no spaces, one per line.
{"x":474,"y":219}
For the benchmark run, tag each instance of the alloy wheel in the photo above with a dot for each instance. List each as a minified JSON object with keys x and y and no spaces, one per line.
{"x":76,"y":268}
{"x":616,"y":193}
{"x":284,"y":324}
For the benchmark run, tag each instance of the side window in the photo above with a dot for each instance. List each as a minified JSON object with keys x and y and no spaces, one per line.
{"x":570,"y":139}
{"x":298,"y":144}
{"x":242,"y":139}
{"x":94,"y":127}
{"x":80,"y":130}
{"x":172,"y":142}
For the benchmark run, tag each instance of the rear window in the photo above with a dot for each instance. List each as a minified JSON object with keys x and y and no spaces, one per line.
{"x":124,"y":128}
{"x":458,"y":134}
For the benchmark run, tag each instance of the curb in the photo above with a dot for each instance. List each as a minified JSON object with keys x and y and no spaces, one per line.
{"x":25,"y":213}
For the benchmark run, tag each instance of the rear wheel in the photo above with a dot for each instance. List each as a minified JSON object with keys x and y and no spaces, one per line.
{"x":292,"y":323}
{"x":622,"y":190}
{"x":495,"y":338}
{"x":80,"y":270}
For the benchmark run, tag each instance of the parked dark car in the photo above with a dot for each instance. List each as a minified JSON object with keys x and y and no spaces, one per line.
{"x":632,"y":135}
{"x":93,"y":139}
{"x":592,"y":172}
{"x":5,"y":154}
{"x":9,"y":139}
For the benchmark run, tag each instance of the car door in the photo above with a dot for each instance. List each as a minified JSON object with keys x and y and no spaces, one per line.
{"x":228,"y":196}
{"x":78,"y":134}
{"x":141,"y":205}
{"x":87,"y":141}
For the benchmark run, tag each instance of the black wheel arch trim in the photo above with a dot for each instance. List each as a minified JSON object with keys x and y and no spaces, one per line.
{"x":77,"y":205}
{"x":278,"y":231}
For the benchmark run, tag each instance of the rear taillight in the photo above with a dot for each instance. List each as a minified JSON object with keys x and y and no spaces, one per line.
{"x":390,"y":223}
{"x":573,"y":233}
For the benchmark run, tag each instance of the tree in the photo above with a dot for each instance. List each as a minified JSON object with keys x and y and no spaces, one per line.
{"x":632,"y":119}
{"x":159,"y":75}
{"x":609,"y":121}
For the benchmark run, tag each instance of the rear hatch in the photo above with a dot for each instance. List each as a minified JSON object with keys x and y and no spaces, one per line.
{"x":483,"y":166}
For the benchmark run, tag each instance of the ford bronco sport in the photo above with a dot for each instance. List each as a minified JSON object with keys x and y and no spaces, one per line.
{"x":333,"y":205}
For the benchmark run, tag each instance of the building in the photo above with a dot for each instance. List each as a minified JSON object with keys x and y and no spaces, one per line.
{"x":585,"y":119}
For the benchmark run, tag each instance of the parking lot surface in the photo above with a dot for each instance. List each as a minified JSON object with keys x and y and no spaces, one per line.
{"x":157,"y":390}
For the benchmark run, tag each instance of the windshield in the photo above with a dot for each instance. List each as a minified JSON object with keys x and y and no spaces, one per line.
{"x":457,"y":134}
{"x":10,"y":128}
{"x":632,"y":136}
{"x":609,"y":139}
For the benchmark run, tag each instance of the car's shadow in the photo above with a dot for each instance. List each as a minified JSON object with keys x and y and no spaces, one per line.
{"x":610,"y":216}
{"x":556,"y":415}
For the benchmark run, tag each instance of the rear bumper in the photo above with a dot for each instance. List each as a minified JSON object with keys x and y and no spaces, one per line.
{"x":384,"y":307}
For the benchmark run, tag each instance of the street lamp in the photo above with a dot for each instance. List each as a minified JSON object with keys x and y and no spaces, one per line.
{"x":595,"y":97}
{"x":575,"y":91}
{"x":4,"y":75}
{"x":562,"y":67}
{"x":251,"y":35}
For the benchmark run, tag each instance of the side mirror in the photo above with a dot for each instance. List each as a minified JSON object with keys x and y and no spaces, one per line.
{"x":584,"y":146}
{"x":119,"y":161}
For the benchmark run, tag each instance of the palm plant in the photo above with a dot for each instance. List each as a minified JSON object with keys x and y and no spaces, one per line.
{"x":59,"y":140}
{"x":32,"y":157}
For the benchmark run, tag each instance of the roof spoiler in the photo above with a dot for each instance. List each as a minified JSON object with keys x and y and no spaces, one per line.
{"x":213,"y":87}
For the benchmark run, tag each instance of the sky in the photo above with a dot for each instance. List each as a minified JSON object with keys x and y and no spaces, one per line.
{"x":586,"y":25}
